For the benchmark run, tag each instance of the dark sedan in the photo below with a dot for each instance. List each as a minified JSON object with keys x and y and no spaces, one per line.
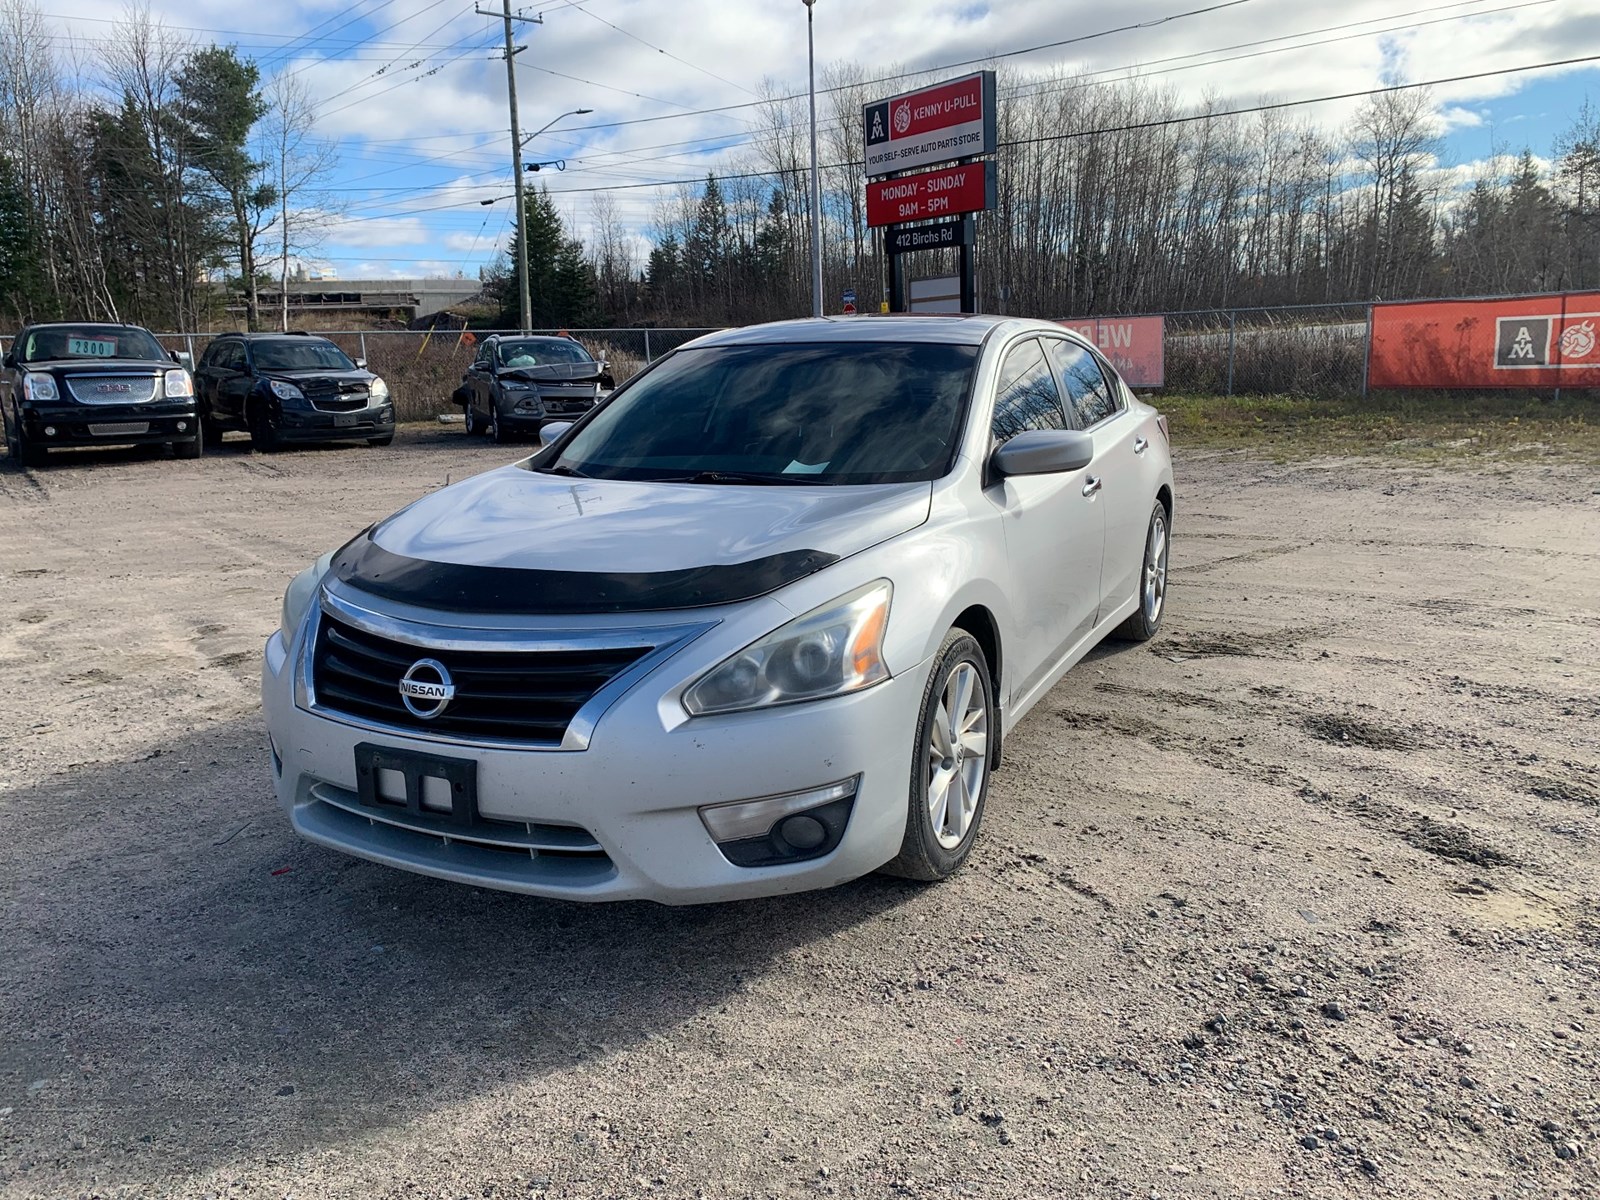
{"x":516,"y":385}
{"x":83,"y":384}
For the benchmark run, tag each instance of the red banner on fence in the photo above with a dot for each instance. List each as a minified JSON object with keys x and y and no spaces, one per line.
{"x":1524,"y":341}
{"x":1135,"y":346}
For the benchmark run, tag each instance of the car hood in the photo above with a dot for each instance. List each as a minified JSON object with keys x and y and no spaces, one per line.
{"x":521,"y":519}
{"x":102,"y":366}
{"x":303,"y":373}
{"x":554,"y":372}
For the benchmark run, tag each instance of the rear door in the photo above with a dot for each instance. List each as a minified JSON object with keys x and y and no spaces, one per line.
{"x":233,"y":381}
{"x":1054,"y":525}
{"x":1098,"y":404}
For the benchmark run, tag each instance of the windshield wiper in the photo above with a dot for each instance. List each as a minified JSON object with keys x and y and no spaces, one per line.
{"x":563,"y":469}
{"x":740,"y":477}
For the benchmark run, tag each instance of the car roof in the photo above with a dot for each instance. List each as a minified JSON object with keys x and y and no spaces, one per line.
{"x":963,"y":329}
{"x":81,"y":325}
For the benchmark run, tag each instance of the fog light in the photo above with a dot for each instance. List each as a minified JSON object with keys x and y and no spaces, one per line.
{"x":774,"y":830}
{"x":49,"y":431}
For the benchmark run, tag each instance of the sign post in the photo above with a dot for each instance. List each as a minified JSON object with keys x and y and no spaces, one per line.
{"x":950,"y":122}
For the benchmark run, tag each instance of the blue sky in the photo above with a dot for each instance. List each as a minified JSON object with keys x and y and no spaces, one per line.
{"x":414,"y":100}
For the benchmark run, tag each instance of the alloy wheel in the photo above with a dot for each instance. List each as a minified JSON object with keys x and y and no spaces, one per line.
{"x":1155,"y":570}
{"x":958,"y":754}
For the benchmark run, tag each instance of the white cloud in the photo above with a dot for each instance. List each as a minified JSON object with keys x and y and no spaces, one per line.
{"x":424,"y":101}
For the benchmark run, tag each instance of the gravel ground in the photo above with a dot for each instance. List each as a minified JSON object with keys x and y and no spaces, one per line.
{"x":1300,"y":899}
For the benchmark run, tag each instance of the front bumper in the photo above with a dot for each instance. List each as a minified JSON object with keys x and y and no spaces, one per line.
{"x":619,"y":820}
{"x":109,"y":424}
{"x":540,"y":412}
{"x":315,"y":425}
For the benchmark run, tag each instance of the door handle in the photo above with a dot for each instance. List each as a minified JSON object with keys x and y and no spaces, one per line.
{"x":1140,"y":445}
{"x":1092,"y":486}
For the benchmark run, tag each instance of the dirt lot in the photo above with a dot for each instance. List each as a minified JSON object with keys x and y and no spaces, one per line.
{"x":1302,"y":899}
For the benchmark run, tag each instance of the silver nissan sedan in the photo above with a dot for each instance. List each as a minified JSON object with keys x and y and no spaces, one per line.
{"x":758,"y":623}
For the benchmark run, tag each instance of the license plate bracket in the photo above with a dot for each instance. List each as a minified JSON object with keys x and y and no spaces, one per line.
{"x":341,"y":420}
{"x":460,"y":773}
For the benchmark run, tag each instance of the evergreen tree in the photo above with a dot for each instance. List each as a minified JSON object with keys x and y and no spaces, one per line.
{"x":22,"y":291}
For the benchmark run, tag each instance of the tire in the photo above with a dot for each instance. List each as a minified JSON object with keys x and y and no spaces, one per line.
{"x":1145,"y":623}
{"x":29,"y":454}
{"x":380,"y":441}
{"x":210,"y":431}
{"x":189,"y":448}
{"x":939,"y":837}
{"x":263,"y":434}
{"x":471,"y":420}
{"x":497,"y":435}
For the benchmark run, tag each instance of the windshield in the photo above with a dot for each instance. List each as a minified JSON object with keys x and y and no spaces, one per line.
{"x":300,"y":356}
{"x":90,"y":341}
{"x":541,"y":352}
{"x":822,"y":413}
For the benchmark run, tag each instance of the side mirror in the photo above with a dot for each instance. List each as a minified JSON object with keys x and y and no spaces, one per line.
{"x":184,"y":359}
{"x":9,"y":361}
{"x":361,"y":364}
{"x":1043,"y":452}
{"x":551,"y":433}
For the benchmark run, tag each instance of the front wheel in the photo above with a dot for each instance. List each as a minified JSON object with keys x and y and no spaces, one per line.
{"x":380,"y":441}
{"x":29,"y":453}
{"x":263,"y":433}
{"x":951,"y":763}
{"x":471,"y":422}
{"x":497,"y":433}
{"x":189,"y":448}
{"x":1145,"y":623}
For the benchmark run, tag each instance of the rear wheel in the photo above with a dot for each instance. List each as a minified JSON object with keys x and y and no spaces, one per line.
{"x":210,"y":431}
{"x":951,"y":762}
{"x":1145,"y":623}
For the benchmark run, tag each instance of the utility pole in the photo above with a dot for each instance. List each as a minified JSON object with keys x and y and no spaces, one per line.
{"x":524,"y":299}
{"x":816,"y":185}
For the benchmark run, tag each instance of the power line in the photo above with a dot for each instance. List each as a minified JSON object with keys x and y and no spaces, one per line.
{"x":1082,"y":133}
{"x":659,"y":50}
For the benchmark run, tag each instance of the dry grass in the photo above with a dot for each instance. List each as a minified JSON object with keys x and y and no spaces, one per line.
{"x":1440,"y":427}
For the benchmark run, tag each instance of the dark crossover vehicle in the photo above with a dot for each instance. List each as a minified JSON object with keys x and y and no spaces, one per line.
{"x":290,"y":387}
{"x":94,"y":384}
{"x":517,"y":384}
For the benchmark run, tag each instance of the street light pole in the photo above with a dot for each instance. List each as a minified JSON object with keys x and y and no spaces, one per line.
{"x":525,"y":302}
{"x":816,"y":187}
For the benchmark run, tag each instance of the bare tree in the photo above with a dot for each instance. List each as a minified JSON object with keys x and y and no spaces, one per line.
{"x":298,"y":166}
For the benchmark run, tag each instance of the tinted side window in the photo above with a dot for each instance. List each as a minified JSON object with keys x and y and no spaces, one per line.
{"x":1026,"y":396}
{"x":1087,"y":391}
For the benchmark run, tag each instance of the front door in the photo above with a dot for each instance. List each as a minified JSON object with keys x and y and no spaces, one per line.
{"x":1054,"y":526}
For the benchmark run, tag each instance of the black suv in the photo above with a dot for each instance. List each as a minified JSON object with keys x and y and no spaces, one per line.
{"x":517,"y":384}
{"x":94,"y":384}
{"x":290,"y":387}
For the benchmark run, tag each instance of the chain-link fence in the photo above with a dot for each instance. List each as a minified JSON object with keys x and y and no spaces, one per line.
{"x":1305,"y":350}
{"x":422,"y":369}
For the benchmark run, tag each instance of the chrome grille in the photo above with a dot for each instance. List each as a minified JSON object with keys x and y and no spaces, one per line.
{"x":526,"y":696}
{"x":112,"y":389}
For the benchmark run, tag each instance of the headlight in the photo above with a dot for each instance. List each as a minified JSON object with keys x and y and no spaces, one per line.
{"x":36,"y":386}
{"x":378,"y":389}
{"x":516,"y":387}
{"x":179,"y":385}
{"x":827,"y":652}
{"x":285,"y":391}
{"x":297,"y":597}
